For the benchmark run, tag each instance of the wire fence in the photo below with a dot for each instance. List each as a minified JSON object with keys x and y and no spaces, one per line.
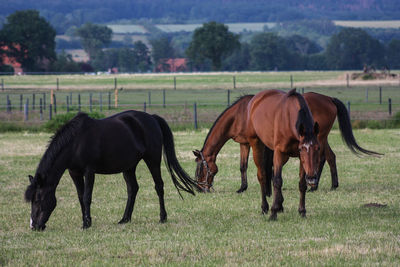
{"x":179,"y":107}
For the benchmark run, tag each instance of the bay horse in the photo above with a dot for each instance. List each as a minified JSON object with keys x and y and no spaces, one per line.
{"x":231,"y":124}
{"x":87,"y":146}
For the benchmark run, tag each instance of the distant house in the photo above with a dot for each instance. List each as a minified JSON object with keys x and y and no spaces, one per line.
{"x":172,"y":65}
{"x":10,"y":61}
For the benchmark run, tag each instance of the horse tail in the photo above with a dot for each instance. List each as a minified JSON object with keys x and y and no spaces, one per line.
{"x":347,"y":131}
{"x":173,"y":166}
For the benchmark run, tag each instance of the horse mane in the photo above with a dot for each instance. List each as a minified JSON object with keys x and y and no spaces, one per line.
{"x":223,"y":112}
{"x":63,"y":136}
{"x":304,"y":118}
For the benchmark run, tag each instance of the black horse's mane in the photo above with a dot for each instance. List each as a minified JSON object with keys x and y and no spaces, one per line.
{"x":223,"y":112}
{"x":304,"y":118}
{"x":64,"y":135}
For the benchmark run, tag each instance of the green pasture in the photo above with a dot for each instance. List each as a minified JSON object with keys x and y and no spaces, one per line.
{"x":166,"y":81}
{"x":220,"y":228}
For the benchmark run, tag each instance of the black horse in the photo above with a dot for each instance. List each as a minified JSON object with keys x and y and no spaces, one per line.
{"x":86,"y":146}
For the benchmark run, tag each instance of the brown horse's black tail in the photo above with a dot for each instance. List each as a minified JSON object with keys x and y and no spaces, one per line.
{"x":347,"y":131}
{"x":173,"y":166}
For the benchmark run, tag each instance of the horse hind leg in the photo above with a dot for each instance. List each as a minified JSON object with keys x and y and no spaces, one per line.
{"x":244,"y":159}
{"x":132,"y":189}
{"x":155,"y":170}
{"x":77,"y":178}
{"x":331,"y":158}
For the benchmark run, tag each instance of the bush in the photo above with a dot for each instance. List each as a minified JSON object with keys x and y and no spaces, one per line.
{"x":59,"y":120}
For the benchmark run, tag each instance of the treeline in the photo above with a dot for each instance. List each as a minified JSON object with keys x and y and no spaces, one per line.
{"x":211,"y":47}
{"x":66,"y":14}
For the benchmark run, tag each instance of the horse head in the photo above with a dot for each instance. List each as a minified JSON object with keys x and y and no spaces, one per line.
{"x":43,"y":201}
{"x":309,"y":154}
{"x":205,"y":171}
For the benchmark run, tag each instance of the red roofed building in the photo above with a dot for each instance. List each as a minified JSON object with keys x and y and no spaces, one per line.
{"x":172,"y":65}
{"x":10,"y":61}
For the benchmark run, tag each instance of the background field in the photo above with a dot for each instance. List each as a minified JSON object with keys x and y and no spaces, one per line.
{"x":212,"y":92}
{"x":221,"y":228}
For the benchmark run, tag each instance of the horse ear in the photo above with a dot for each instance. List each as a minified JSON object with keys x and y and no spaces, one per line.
{"x":316,"y":128}
{"x":196,"y":153}
{"x":30,"y":178}
{"x":30,"y":190}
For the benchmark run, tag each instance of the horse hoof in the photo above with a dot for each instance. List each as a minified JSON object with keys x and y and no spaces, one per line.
{"x":163,"y":220}
{"x":124,"y":220}
{"x":241,"y":190}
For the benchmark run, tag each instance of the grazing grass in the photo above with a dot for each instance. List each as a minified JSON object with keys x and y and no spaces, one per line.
{"x":221,"y":228}
{"x":218,"y":80}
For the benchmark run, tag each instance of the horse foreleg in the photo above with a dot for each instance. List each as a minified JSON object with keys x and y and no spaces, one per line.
{"x":87,"y":199}
{"x":279,"y":160}
{"x":302,"y":189}
{"x":154,"y":167}
{"x":132,"y":188}
{"x":322,"y":160}
{"x":244,"y":159}
{"x":331,"y":158}
{"x":77,"y":178}
{"x":258,"y":154}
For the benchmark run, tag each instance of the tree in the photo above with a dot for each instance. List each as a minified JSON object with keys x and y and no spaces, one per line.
{"x":30,"y":40}
{"x":269,"y":52}
{"x":94,"y":38}
{"x":142,"y":56}
{"x":212,"y":41}
{"x":352,"y":48}
{"x":162,"y":48}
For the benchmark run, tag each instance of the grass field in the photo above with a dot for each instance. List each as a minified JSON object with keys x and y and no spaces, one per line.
{"x":220,"y":80}
{"x":221,"y":228}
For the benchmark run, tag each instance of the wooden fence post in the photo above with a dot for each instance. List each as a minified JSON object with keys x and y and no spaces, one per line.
{"x":163,"y":98}
{"x":44,"y":101}
{"x":116,"y":98}
{"x":109,"y":100}
{"x":174,"y":82}
{"x":390,"y":106}
{"x":67,"y":104}
{"x":55,"y":104}
{"x":33,"y":101}
{"x":380,"y":95}
{"x":234,"y":82}
{"x":195,"y":115}
{"x":41,"y":109}
{"x":20,"y":102}
{"x":26,"y":110}
{"x":50,"y":111}
{"x":79,"y":102}
{"x":90,"y":102}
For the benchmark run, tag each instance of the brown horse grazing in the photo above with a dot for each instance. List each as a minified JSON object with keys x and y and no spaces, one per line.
{"x":275,"y":120}
{"x":284,"y":123}
{"x":325,"y":109}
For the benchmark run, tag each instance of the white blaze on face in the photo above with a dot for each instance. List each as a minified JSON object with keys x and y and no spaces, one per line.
{"x":307,"y":146}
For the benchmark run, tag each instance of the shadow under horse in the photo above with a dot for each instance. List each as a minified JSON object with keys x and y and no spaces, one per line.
{"x":86,"y":146}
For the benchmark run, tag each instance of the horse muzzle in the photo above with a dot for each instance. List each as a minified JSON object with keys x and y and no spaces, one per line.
{"x":312,"y":181}
{"x":36,"y":227}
